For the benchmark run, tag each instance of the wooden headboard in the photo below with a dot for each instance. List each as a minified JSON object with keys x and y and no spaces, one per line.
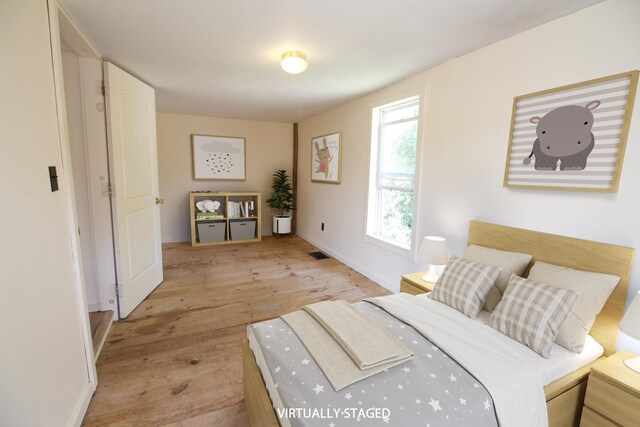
{"x":569,"y":252}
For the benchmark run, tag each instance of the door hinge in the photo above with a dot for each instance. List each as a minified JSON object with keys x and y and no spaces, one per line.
{"x":103,"y":89}
{"x":107,"y":189}
{"x":117,"y":291}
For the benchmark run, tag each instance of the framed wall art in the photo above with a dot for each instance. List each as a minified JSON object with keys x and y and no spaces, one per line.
{"x":326,"y":161}
{"x":572,"y":137}
{"x":218,"y":157}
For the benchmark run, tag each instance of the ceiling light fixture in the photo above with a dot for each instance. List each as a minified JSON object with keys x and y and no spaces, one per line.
{"x":293,"y":62}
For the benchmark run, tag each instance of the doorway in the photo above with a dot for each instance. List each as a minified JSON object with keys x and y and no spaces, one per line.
{"x":110,"y":124}
{"x":84,"y":105}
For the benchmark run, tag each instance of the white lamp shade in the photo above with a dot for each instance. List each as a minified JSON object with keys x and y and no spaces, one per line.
{"x":433,"y":251}
{"x":293,"y":62}
{"x":630,"y":323}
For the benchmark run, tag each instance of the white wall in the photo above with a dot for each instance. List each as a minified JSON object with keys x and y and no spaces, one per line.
{"x":43,"y":370}
{"x":269,"y":146}
{"x":468,"y":112}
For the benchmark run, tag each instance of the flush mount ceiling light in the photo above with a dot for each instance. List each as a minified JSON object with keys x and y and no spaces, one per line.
{"x":293,"y":62}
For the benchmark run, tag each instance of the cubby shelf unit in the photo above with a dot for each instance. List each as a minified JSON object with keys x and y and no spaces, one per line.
{"x":229,"y":224}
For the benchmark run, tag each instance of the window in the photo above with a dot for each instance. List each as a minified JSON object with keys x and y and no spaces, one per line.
{"x":394,"y":137}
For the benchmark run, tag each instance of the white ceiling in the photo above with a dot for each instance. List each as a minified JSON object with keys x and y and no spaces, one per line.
{"x":221,"y":57}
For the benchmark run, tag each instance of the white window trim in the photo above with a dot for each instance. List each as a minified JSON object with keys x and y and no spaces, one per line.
{"x":409,"y":251}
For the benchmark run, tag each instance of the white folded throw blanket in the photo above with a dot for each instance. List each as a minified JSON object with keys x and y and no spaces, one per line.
{"x":355,"y":332}
{"x":366,"y":342}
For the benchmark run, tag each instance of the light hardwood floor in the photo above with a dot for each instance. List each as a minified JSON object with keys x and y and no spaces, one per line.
{"x":177,"y":359}
{"x":100,"y":321}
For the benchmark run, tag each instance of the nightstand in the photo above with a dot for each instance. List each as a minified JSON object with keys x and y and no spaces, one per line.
{"x":613,"y":393}
{"x":413,"y":284}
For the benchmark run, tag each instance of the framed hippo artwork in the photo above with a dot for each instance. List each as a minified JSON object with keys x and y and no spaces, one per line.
{"x":326,"y":153}
{"x":218,"y":157}
{"x":572,"y":137}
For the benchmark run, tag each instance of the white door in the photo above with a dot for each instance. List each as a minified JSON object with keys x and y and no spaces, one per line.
{"x":131,"y":134}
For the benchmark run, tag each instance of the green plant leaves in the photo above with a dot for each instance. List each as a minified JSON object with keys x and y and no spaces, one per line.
{"x":282,"y":195}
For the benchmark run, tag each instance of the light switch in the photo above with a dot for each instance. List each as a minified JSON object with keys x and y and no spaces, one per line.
{"x":53,"y":178}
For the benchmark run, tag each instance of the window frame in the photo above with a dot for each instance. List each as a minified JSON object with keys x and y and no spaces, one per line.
{"x":375,"y":186}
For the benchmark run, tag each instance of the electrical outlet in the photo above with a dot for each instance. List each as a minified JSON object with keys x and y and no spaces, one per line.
{"x":322,"y":227}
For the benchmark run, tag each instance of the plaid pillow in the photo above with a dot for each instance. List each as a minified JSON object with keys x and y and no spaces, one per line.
{"x":531,"y":313}
{"x":464,"y":285}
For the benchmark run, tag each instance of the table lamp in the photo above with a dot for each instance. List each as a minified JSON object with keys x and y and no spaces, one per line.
{"x":630,"y":325}
{"x":433,"y":252}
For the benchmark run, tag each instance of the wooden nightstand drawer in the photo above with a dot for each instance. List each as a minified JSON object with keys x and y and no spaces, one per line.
{"x":410,"y":289}
{"x":414,"y":285}
{"x":609,"y":400}
{"x":591,"y":419}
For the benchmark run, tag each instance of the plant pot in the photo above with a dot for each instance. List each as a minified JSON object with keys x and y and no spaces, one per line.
{"x":281,"y":224}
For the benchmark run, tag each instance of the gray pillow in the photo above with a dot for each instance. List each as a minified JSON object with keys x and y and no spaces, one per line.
{"x":510,"y":263}
{"x":593,"y":290}
{"x":464,"y":285}
{"x":531,"y":313}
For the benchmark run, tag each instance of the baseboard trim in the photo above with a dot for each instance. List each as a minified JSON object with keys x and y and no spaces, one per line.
{"x":93,"y":307}
{"x":83,"y":404}
{"x":391,"y":287}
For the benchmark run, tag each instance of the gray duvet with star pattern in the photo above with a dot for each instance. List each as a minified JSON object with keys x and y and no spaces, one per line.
{"x":429,"y":390}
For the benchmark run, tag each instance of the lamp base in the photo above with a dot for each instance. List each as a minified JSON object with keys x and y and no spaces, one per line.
{"x":633,"y":364}
{"x":431,"y":275}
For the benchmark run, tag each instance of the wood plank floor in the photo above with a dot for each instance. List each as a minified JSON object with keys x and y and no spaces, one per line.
{"x":99,"y":322}
{"x":177,"y":359}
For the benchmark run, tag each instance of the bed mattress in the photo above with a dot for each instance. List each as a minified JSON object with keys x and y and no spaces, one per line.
{"x":561,"y":361}
{"x":431,"y":387}
{"x":430,"y":383}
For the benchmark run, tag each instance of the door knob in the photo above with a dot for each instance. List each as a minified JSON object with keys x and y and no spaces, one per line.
{"x":159,"y":201}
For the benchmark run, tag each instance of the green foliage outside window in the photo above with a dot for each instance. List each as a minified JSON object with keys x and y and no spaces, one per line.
{"x":395,"y":137}
{"x":399,"y":171}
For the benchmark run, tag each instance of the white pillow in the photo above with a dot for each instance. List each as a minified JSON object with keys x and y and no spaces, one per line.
{"x":510,"y":263}
{"x":593,"y":290}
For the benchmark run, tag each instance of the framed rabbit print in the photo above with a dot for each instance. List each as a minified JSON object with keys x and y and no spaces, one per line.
{"x":326,"y":161}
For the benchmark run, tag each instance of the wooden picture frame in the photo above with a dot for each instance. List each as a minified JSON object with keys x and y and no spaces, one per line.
{"x":326,"y":158}
{"x":572,"y":137}
{"x":218,"y":157}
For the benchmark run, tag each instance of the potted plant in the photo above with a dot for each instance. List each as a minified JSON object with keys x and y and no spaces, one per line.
{"x":282,"y":200}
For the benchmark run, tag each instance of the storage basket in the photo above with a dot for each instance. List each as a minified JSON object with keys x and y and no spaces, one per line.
{"x":243,"y":230}
{"x":212,"y":231}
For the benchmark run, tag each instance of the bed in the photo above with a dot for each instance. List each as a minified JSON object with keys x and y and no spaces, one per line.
{"x":565,"y":396}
